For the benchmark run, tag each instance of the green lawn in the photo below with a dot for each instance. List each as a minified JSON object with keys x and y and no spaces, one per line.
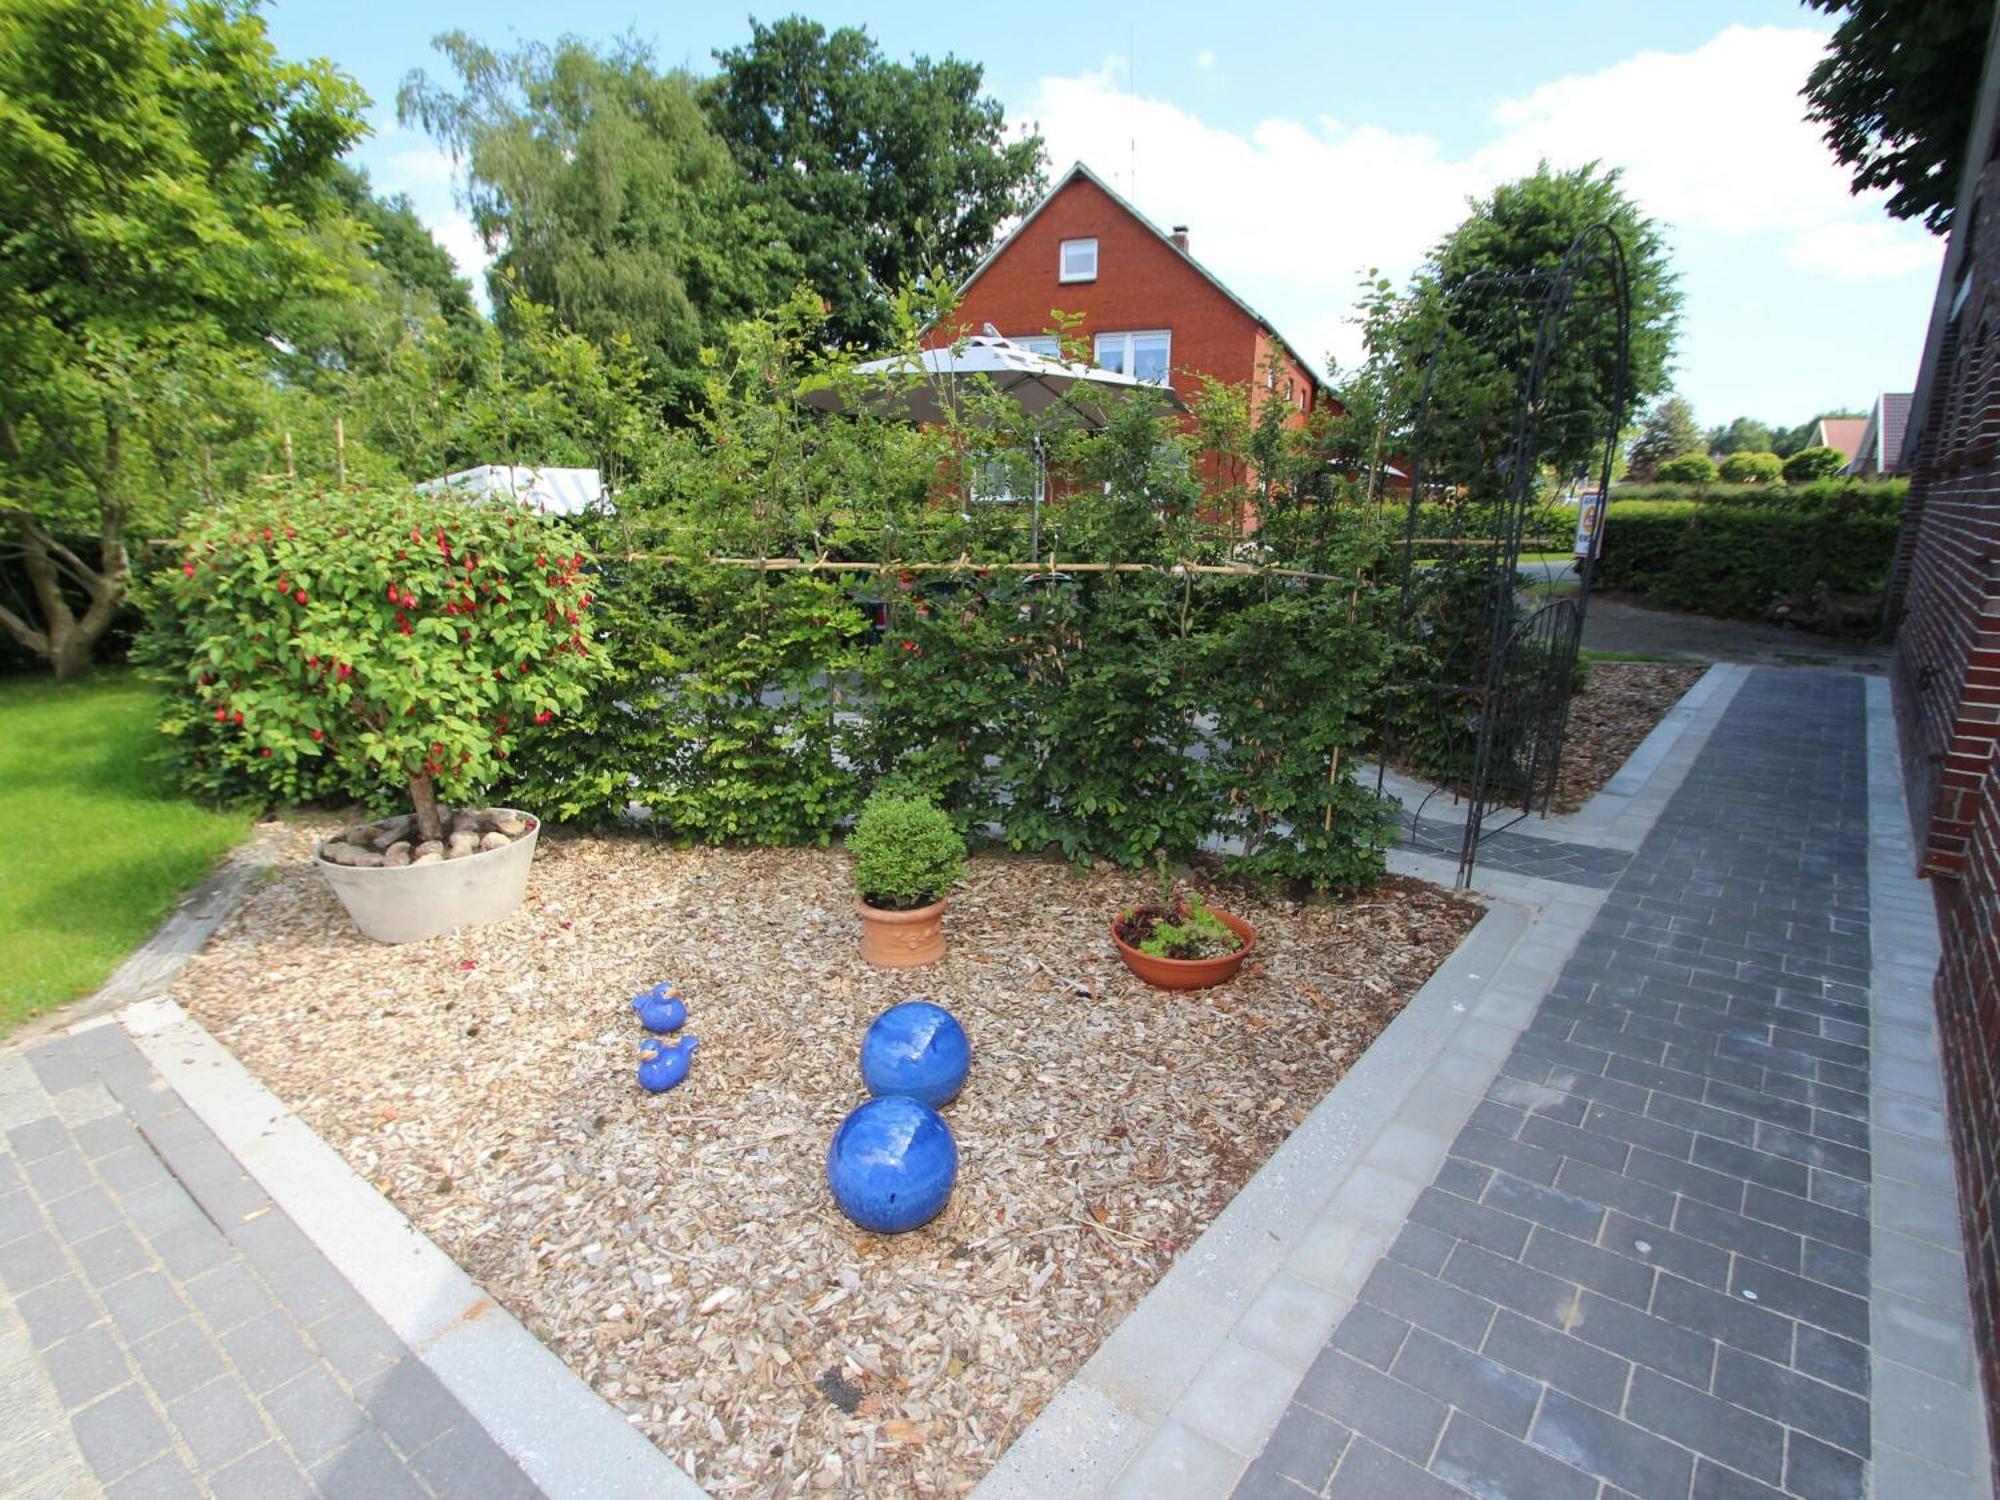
{"x":99,"y":844}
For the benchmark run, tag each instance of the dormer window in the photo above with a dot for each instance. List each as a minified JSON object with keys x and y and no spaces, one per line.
{"x":1079,"y":261}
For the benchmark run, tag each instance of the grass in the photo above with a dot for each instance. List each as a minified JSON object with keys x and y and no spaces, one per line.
{"x":100,"y":844}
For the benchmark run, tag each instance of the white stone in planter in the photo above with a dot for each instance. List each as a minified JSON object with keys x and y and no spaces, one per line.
{"x":431,"y":895}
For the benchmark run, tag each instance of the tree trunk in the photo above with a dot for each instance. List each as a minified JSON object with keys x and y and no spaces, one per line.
{"x":424,"y":802}
{"x":65,"y":640}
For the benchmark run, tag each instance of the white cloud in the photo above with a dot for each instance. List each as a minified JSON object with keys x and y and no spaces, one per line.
{"x":1855,"y":249}
{"x":1291,"y":213}
{"x":401,"y":160}
{"x":1205,"y":58}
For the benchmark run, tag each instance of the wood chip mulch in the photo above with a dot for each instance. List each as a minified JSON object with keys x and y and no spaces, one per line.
{"x":681,"y":1252}
{"x":1618,"y":707}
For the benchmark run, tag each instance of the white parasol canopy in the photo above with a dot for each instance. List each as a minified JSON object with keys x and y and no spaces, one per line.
{"x":928,"y":382}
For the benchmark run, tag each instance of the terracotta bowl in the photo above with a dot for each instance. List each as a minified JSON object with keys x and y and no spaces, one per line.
{"x":1189,"y":973}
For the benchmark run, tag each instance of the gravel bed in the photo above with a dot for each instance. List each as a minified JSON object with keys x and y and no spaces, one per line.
{"x":681,"y":1252}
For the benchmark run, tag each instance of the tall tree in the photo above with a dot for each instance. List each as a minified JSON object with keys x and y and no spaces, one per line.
{"x":1744,"y":435}
{"x":161,"y":171}
{"x":1669,"y":432}
{"x":606,"y":197}
{"x":1897,"y":91}
{"x":1463,"y":335}
{"x":878,"y":171}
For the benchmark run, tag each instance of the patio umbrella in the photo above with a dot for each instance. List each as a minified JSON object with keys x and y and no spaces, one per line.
{"x":924,"y":384}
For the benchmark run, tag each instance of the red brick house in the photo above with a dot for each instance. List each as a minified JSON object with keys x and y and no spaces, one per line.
{"x":1944,"y":604}
{"x":1147,"y":306}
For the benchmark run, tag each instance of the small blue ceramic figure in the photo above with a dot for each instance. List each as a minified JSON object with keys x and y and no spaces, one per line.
{"x":918,"y":1049}
{"x":660,"y":1008}
{"x":891,"y":1164}
{"x":664,"y":1064}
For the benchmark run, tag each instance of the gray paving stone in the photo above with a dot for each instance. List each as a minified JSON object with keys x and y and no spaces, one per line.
{"x":178,"y":1357}
{"x":1305,"y":1446}
{"x":143,"y":1304}
{"x":31,"y":1261}
{"x":165,"y":1478}
{"x":85,"y":1365}
{"x":1599,"y":1443}
{"x":1558,"y":1359}
{"x":219,"y":1422}
{"x":1835,"y":1416}
{"x":83,"y":1214}
{"x":229,"y":1295}
{"x":1371,"y":1473}
{"x":126,"y":1171}
{"x":1730,"y":1320}
{"x":110,"y":1255}
{"x":119,"y":1433}
{"x":1263,"y":1480}
{"x":58,"y":1175}
{"x":266,"y":1473}
{"x":368,"y":1467}
{"x":1489,"y":1464}
{"x":409,"y":1404}
{"x":314,"y":1415}
{"x":1488,"y":1390}
{"x":1362,"y":1398}
{"x":56,"y":1309}
{"x":1370,"y":1334}
{"x":1720,"y":1429}
{"x":38,"y":1139}
{"x":267,"y":1351}
{"x":465,"y":1464}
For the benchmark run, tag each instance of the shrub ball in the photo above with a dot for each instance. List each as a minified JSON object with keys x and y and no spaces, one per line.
{"x":892,"y":1164}
{"x":918,"y":1049}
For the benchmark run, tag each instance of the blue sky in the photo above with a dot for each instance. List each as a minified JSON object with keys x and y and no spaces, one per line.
{"x":1305,"y":143}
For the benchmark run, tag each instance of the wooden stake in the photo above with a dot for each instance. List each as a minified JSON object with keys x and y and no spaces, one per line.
{"x":291,"y":470}
{"x":339,"y":451}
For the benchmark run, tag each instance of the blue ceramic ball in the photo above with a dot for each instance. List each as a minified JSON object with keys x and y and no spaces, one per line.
{"x":918,"y":1049}
{"x":891,"y":1164}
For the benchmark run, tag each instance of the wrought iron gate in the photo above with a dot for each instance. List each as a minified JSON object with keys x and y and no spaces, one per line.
{"x":1495,"y":710}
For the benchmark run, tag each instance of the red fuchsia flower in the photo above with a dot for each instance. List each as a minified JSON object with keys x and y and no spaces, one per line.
{"x":300,"y":596}
{"x":393,"y":592}
{"x":238,"y":716}
{"x":265,"y":752}
{"x":289,"y":533}
{"x":267,"y":533}
{"x":222,"y":716}
{"x":343,"y":671}
{"x":524,"y":669}
{"x":403,"y":622}
{"x":543,"y":717}
{"x":319,"y":734}
{"x":188,"y":568}
{"x":416,"y":535}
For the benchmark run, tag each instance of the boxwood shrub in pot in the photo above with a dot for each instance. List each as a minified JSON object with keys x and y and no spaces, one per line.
{"x":401,"y":640}
{"x":907,"y":855}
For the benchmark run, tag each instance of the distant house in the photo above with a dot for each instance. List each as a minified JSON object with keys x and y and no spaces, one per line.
{"x":1880,"y":451}
{"x":1843,"y":434}
{"x":1147,"y":306}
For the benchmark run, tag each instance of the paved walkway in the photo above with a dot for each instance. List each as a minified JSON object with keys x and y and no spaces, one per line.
{"x":1646,"y":1265}
{"x":166,"y":1330}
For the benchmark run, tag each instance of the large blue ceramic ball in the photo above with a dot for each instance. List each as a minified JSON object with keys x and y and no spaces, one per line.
{"x":918,"y":1049}
{"x":891,"y":1164}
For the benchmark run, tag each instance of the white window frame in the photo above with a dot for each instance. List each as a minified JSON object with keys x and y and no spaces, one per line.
{"x":1063,"y":270}
{"x":1130,"y":350}
{"x":1046,"y":344}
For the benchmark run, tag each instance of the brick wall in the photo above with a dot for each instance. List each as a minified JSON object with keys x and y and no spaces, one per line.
{"x":1944,"y":602}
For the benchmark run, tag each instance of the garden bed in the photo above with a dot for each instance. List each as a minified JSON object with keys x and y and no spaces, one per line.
{"x":1619,"y":706}
{"x":682,"y":1252}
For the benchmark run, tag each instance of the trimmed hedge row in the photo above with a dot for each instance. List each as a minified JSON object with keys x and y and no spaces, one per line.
{"x":1877,"y":497}
{"x":1739,"y":561}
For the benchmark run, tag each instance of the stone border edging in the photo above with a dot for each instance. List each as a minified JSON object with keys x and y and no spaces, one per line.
{"x":565,"y":1437}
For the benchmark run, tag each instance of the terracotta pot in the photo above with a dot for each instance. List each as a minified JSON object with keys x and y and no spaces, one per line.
{"x":901,"y":939}
{"x":1189,"y":973}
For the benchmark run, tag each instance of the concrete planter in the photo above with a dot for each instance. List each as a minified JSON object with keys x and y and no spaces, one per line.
{"x":408,"y":903}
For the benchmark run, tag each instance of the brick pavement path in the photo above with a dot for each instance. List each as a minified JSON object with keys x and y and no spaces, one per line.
{"x":166,"y":1330}
{"x":1573,"y":863}
{"x":1644,"y":1266}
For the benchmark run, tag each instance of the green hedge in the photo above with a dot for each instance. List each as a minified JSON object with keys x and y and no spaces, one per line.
{"x":1876,"y":497}
{"x":1737,"y":560}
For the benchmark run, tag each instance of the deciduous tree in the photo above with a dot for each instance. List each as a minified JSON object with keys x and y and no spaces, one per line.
{"x":161,"y":172}
{"x":1896,"y":92}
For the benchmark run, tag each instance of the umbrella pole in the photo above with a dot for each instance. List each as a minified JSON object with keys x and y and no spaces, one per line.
{"x":1035,"y":500}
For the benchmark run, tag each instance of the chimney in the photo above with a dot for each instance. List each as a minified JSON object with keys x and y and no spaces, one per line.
{"x":1179,"y":237}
